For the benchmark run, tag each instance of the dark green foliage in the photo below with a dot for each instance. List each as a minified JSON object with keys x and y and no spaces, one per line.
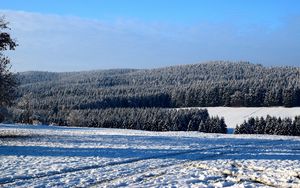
{"x":270,"y":125}
{"x":151,"y":119}
{"x":297,"y":125}
{"x":208,"y":84}
{"x":213,"y":125}
{"x":7,"y":79}
{"x":3,"y":114}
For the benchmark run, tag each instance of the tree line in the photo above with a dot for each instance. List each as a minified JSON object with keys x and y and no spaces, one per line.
{"x":270,"y":125}
{"x":150,"y":119}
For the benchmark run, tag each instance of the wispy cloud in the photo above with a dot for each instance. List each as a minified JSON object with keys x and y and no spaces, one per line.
{"x":66,"y":43}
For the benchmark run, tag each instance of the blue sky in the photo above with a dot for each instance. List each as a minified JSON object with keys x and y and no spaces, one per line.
{"x":174,"y":11}
{"x":71,"y":35}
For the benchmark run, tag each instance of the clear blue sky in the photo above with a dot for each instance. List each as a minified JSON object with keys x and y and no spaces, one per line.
{"x":175,"y":11}
{"x":157,"y":20}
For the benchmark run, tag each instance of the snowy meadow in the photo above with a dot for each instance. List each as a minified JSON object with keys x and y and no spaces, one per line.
{"x":50,"y":156}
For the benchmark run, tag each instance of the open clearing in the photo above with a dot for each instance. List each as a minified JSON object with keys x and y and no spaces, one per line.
{"x":48,"y":156}
{"x":234,"y":116}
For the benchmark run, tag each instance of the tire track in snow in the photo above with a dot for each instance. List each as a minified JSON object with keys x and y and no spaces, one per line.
{"x":249,"y":115}
{"x":163,"y":167}
{"x":6,"y":181}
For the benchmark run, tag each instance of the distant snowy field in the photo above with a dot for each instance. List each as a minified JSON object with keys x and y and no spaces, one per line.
{"x":234,"y":116}
{"x":48,"y":156}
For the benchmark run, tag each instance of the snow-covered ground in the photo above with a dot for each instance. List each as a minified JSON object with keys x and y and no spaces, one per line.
{"x":48,"y":156}
{"x":234,"y":116}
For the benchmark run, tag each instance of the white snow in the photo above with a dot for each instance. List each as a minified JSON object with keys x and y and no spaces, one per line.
{"x":234,"y":116}
{"x":50,"y":156}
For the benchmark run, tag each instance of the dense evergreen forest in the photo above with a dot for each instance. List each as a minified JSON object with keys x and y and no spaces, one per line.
{"x":150,"y":119}
{"x":47,"y":94}
{"x":208,"y":84}
{"x":270,"y":125}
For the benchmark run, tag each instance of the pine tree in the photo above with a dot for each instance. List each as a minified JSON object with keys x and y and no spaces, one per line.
{"x":202,"y":127}
{"x":288,"y":97}
{"x":223,"y":126}
{"x":7,"y":79}
{"x":297,"y":126}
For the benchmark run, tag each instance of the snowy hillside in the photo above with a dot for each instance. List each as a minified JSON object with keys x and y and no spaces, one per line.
{"x":46,"y":156}
{"x":234,"y":116}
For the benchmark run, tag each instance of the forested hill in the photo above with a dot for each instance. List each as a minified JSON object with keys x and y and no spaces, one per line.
{"x":175,"y":75}
{"x":207,"y":84}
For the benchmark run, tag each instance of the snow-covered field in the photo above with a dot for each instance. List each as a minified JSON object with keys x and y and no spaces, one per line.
{"x":45,"y":156}
{"x":234,"y":116}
